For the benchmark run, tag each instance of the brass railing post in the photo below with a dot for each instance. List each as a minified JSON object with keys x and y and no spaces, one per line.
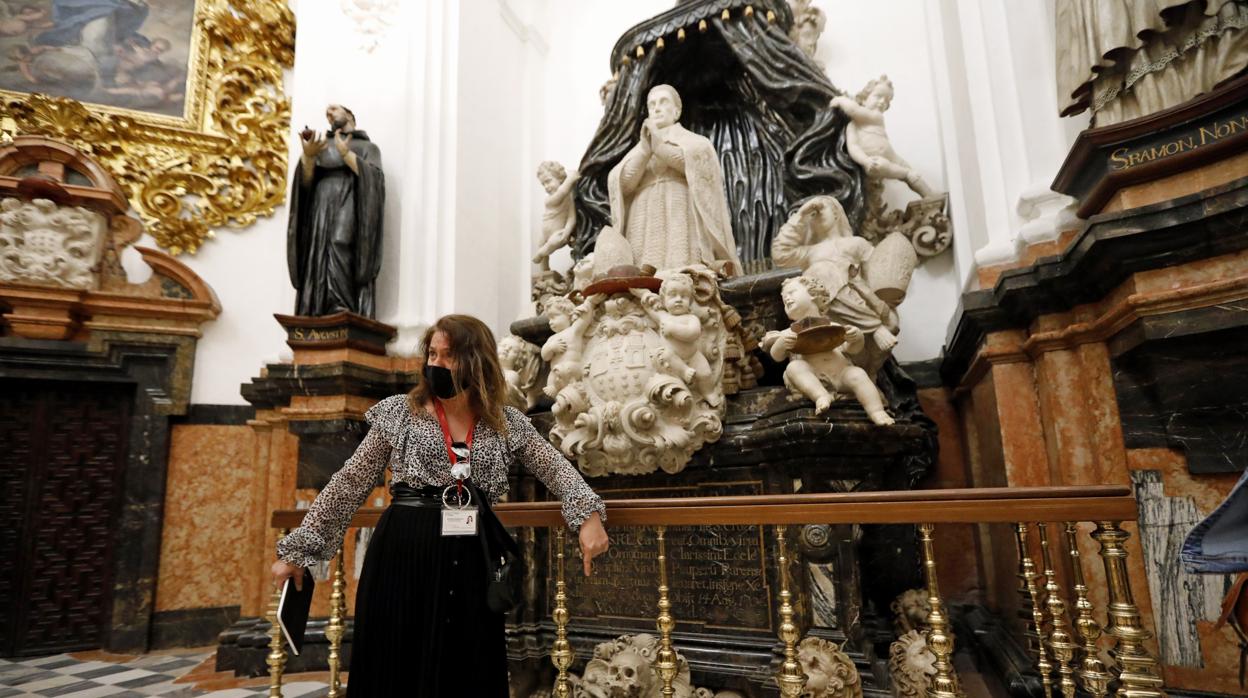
{"x":1060,"y":641}
{"x":335,"y":630}
{"x":1137,"y":676}
{"x":561,"y":652}
{"x":1030,"y":575}
{"x":666,"y":664}
{"x":277,"y":648}
{"x":944,"y":684}
{"x":790,"y":678}
{"x":1092,"y":674}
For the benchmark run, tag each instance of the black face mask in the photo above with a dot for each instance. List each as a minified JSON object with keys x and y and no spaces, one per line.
{"x":441,"y":383}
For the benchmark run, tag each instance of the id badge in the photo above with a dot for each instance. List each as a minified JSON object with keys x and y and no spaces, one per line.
{"x":459,"y":522}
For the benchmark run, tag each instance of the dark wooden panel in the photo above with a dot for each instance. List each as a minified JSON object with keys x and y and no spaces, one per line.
{"x":76,"y":447}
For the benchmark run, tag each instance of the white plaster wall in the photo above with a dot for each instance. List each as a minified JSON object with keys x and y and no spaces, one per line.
{"x":466,"y":97}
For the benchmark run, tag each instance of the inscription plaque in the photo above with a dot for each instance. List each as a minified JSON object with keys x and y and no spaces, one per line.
{"x":718,"y":576}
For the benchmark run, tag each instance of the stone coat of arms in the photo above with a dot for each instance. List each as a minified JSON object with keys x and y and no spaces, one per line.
{"x":638,"y":377}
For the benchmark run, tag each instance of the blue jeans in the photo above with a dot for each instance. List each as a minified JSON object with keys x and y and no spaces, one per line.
{"x":1219,"y":544}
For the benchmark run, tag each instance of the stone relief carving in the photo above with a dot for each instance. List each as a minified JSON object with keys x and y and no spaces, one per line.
{"x":373,"y":18}
{"x":924,"y":221}
{"x":830,"y":673}
{"x":638,"y":376}
{"x":625,"y":668}
{"x":910,"y":662}
{"x":910,"y":610}
{"x":523,"y":370}
{"x":817,"y":350}
{"x":44,"y":243}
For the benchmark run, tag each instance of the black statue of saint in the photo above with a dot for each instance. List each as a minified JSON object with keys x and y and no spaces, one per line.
{"x":761,"y":101}
{"x":333,"y":241}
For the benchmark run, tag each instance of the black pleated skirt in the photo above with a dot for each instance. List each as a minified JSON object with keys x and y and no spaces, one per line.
{"x":422,"y":628}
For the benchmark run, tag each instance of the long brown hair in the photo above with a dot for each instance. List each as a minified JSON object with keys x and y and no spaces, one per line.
{"x":477,"y":371}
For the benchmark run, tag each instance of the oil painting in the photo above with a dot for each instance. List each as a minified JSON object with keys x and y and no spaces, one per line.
{"x":120,"y":54}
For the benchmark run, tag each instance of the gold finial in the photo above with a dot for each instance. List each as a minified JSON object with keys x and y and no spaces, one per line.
{"x":790,"y":677}
{"x":1061,"y":645}
{"x":561,"y":654}
{"x":749,"y":11}
{"x":944,"y":683}
{"x":725,"y":15}
{"x":336,"y":628}
{"x":1138,"y":672}
{"x":680,"y":34}
{"x":666,"y":663}
{"x":1037,"y":609}
{"x":658,"y":45}
{"x":1092,"y":673}
{"x":277,"y":648}
{"x":641,"y":51}
{"x":771,"y":17}
{"x":702,"y":25}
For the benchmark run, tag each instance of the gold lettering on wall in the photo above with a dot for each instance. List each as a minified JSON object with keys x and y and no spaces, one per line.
{"x":1125,"y":158}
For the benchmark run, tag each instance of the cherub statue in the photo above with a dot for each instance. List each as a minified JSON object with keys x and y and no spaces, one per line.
{"x":563,"y":350}
{"x":818,"y":240}
{"x":680,"y":324}
{"x":522,"y":370}
{"x":805,"y":297}
{"x":559,"y":218}
{"x":808,"y":24}
{"x":868,"y":142}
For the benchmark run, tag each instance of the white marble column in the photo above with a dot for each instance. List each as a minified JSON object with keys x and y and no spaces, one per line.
{"x":1002,"y":134}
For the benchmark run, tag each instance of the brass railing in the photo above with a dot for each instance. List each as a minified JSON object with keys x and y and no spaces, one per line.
{"x":1067,"y":654}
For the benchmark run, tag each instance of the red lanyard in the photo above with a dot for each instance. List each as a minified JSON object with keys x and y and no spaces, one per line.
{"x":446,"y":436}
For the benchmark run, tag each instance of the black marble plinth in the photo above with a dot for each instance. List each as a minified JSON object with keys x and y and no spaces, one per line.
{"x":1189,"y":392}
{"x":243,"y":647}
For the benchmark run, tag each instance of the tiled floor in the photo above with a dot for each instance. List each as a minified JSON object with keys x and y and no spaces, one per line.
{"x":65,"y":676}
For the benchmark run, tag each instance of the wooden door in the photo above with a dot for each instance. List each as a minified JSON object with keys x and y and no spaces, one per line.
{"x":62,"y":453}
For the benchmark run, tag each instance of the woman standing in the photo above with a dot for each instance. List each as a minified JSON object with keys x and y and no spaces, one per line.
{"x":422,"y":626}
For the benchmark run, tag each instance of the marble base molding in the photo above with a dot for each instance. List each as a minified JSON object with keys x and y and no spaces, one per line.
{"x":1104,"y":160}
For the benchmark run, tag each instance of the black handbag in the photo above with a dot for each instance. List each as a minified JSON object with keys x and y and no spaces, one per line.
{"x":504,"y":567}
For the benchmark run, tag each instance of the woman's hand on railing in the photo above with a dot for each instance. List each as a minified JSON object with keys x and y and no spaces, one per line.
{"x":594,"y":541}
{"x":284,"y":570}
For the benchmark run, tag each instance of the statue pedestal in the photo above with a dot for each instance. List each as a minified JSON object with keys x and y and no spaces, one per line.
{"x":309,"y":420}
{"x":328,"y":337}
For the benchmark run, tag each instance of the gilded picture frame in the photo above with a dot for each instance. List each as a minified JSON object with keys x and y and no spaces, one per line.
{"x":221,"y":161}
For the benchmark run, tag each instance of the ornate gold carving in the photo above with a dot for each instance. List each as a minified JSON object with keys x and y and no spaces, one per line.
{"x":335,"y":629}
{"x":790,"y":678}
{"x":561,"y":653}
{"x":939,"y":638}
{"x":1137,"y":670}
{"x":224,"y":163}
{"x":1092,"y":675}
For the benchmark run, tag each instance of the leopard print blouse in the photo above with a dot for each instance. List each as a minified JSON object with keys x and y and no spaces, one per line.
{"x":413,"y":447}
